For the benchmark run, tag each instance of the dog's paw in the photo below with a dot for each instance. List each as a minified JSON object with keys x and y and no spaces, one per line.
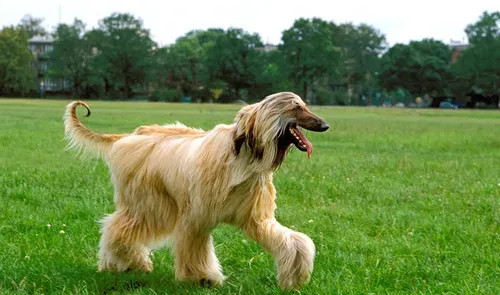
{"x":296,"y":263}
{"x":113,"y":264}
{"x":109,"y":263}
{"x":206,"y":283}
{"x":207,"y":280}
{"x":216,"y":280}
{"x":144,"y":265}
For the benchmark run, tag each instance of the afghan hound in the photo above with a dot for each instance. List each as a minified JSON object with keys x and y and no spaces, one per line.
{"x":177,"y":183}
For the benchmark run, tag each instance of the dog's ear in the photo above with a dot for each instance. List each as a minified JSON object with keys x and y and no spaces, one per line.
{"x":246,"y":132}
{"x":238,"y":139}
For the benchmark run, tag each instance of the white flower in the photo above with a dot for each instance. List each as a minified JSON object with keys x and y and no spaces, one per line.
{"x":27,"y":257}
{"x":48,"y":225}
{"x":311,"y":221}
{"x":62,"y":232}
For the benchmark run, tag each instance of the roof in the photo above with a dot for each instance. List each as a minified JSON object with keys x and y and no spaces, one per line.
{"x":268,"y":47}
{"x":41,"y":39}
{"x":457,"y":45}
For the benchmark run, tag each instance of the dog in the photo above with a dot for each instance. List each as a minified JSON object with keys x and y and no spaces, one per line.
{"x":178,"y":183}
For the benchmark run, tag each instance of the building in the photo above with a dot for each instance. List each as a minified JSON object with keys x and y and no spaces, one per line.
{"x":40,"y":46}
{"x":268,"y":47}
{"x":457,"y":47}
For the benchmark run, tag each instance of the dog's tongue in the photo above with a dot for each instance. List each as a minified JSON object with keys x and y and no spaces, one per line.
{"x":305,"y":141}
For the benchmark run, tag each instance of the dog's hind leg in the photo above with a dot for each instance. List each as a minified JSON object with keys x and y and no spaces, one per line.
{"x":122,"y":244}
{"x":195,"y":258}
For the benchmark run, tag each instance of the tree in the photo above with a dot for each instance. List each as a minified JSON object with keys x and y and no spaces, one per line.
{"x":32,"y":26}
{"x":16,"y":71}
{"x":361,"y":47}
{"x":485,"y":30}
{"x":273,"y":75}
{"x":123,"y":53}
{"x":309,"y":49}
{"x":478,"y":67}
{"x":206,"y":38}
{"x":233,"y":59}
{"x":420,"y":67}
{"x":183,"y":64}
{"x":71,"y":56}
{"x":181,"y":68}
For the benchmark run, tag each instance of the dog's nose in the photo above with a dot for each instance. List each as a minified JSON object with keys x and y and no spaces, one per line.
{"x":324,"y":126}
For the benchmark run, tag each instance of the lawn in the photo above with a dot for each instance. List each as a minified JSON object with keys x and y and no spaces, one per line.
{"x":397,"y":201}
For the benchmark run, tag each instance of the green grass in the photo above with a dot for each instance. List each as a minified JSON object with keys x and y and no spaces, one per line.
{"x":397,"y":201}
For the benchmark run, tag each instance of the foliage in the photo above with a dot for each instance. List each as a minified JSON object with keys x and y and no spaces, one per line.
{"x":124,"y":53}
{"x":420,"y":67}
{"x":309,"y":49}
{"x":361,"y":47}
{"x":324,"y":62}
{"x":478,"y":67}
{"x":232,"y":58}
{"x":71,"y":57}
{"x":485,"y":30}
{"x":32,"y":26}
{"x":182,"y":65}
{"x":17,"y":76}
{"x":216,"y":93}
{"x":400,"y":95}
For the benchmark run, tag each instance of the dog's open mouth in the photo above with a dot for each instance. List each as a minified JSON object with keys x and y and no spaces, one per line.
{"x":298,"y":138}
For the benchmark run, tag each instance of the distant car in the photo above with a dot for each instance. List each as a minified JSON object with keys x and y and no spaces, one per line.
{"x":447,"y":105}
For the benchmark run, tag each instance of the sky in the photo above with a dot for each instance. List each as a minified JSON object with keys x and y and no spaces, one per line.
{"x":401,"y":21}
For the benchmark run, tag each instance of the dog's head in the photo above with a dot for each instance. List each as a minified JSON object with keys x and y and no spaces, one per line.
{"x":269,"y":128}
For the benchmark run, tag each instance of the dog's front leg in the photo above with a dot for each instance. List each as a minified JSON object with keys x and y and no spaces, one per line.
{"x":195,"y":258}
{"x":293,"y":251}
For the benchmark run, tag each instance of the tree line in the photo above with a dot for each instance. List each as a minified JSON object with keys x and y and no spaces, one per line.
{"x":325,"y":62}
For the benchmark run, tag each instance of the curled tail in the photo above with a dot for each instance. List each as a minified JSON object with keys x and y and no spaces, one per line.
{"x":81,"y":138}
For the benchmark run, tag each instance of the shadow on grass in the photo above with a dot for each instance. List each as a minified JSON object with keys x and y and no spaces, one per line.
{"x":84,"y":279}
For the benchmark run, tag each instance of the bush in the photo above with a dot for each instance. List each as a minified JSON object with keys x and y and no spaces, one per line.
{"x":165,"y":94}
{"x":173,"y":95}
{"x":340,"y":98}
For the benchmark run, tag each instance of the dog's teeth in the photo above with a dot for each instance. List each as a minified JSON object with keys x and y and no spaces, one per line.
{"x":300,"y":142}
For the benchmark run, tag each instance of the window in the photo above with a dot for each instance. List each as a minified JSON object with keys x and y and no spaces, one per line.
{"x":43,"y":67}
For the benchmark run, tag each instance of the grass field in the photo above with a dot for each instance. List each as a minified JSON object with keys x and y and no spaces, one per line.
{"x":397,"y":201}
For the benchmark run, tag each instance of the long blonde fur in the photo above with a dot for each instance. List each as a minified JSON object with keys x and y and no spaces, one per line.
{"x":175,"y":182}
